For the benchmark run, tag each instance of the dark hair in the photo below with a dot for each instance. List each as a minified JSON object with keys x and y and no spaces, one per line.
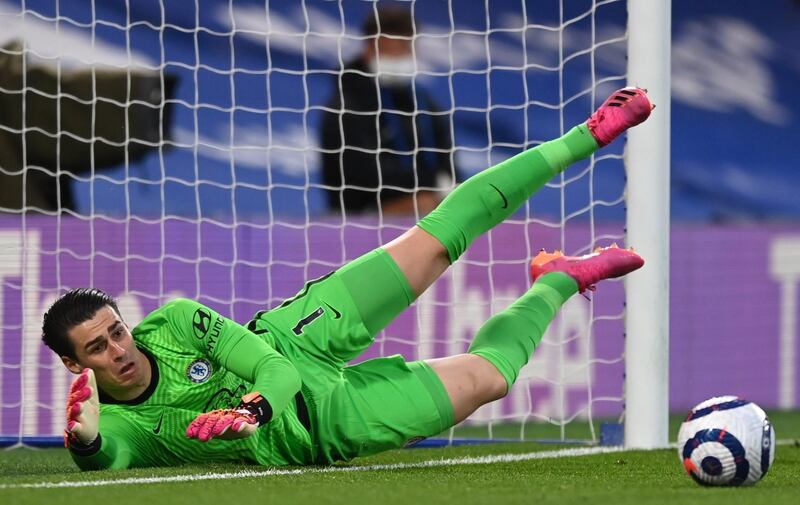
{"x":69,"y":310}
{"x":394,"y":20}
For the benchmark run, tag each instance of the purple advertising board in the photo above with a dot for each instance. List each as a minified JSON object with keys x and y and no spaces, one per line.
{"x":733,"y":327}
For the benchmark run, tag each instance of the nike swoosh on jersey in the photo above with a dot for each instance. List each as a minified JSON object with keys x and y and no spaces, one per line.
{"x":505,"y":201}
{"x":157,"y":429}
{"x":336,"y":313}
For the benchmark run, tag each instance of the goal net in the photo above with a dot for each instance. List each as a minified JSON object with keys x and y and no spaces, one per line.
{"x":166,"y":148}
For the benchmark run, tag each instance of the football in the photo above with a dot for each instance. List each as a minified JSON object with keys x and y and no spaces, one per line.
{"x":726,"y":441}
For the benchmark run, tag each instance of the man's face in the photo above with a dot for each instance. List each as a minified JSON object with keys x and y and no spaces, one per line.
{"x":388,"y":48}
{"x":391,"y":47}
{"x":105,"y":344}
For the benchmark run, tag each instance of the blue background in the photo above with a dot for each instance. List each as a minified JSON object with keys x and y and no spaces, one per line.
{"x":245,"y":139}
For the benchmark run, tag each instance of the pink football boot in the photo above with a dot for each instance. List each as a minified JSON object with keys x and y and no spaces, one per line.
{"x":624,"y":109}
{"x":604,"y":263}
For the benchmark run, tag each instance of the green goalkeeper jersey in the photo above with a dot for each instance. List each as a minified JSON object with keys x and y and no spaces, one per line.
{"x":201,"y":361}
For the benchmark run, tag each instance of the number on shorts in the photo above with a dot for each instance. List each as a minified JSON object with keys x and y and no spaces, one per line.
{"x":298,"y":328}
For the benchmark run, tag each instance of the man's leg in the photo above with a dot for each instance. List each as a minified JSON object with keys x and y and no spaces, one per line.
{"x":480,"y":203}
{"x":505,"y":342}
{"x":335,"y":318}
{"x":488,"y":198}
{"x":365,"y":295}
{"x":385,"y":403}
{"x":380,"y":404}
{"x":386,"y":281}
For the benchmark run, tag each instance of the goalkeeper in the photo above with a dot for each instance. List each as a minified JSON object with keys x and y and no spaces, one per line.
{"x":188,"y":386}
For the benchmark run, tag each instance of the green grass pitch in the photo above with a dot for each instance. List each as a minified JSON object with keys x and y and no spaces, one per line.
{"x":454,"y":475}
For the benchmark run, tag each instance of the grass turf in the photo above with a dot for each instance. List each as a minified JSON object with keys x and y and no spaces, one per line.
{"x":618,"y":478}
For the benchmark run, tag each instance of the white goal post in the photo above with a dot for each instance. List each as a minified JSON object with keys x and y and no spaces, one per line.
{"x":647,"y":292}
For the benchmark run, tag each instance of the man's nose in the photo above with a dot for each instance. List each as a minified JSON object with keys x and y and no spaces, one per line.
{"x":117,"y":351}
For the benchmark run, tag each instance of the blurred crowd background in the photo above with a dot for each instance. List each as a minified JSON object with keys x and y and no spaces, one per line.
{"x":246,"y":94}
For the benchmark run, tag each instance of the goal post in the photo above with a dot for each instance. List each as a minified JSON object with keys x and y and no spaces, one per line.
{"x":648,"y":229}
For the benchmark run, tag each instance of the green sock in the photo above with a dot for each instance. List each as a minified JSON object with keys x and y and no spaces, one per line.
{"x":489,"y":197}
{"x":508,"y":339}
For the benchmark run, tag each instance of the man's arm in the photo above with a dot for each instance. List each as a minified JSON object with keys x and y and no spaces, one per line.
{"x":96,"y":444}
{"x":115,"y":446}
{"x":234,"y":347}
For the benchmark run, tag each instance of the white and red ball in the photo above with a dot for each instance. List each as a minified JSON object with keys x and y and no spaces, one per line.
{"x":726,"y":441}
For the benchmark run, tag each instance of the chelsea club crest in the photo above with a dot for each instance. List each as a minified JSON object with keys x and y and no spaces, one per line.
{"x":199,"y":371}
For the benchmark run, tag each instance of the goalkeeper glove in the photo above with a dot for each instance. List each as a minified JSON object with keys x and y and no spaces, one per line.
{"x":83,"y":410}
{"x":231,"y":424}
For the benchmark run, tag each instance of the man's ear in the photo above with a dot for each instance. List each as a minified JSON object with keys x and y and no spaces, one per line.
{"x":71,"y":365}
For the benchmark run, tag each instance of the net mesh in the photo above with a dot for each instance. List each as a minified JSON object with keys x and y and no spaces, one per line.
{"x":168,"y":148}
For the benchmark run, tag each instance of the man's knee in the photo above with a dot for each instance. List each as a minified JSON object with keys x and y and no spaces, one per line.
{"x":470,"y":381}
{"x":489,"y":383}
{"x":420,"y":257}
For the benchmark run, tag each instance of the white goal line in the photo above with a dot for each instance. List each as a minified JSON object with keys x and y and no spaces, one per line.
{"x":247,"y":474}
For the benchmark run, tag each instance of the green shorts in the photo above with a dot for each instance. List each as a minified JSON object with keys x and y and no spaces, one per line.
{"x":356,"y":410}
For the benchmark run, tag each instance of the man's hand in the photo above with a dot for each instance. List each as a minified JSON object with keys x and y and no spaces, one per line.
{"x":83,"y":410}
{"x":225,"y":424}
{"x":230,"y":424}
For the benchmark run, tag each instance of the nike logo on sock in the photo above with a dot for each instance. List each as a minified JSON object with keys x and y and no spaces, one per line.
{"x":505,"y":201}
{"x":336,"y":313}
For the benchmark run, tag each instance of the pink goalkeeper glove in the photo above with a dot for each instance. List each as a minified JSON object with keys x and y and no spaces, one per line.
{"x":83,"y":410}
{"x":226,"y":424}
{"x":229,"y":424}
